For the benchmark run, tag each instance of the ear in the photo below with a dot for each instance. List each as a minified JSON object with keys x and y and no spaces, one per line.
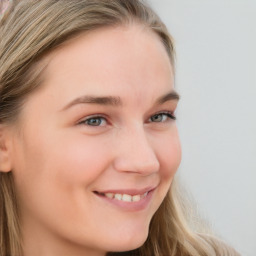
{"x":5,"y":148}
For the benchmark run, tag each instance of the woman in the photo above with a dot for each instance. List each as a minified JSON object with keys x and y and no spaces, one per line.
{"x":88,"y":140}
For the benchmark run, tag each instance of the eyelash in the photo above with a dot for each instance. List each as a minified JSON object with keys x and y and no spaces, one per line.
{"x":168,"y":114}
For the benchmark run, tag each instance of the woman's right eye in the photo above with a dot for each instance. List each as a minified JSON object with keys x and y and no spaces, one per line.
{"x":94,"y":121}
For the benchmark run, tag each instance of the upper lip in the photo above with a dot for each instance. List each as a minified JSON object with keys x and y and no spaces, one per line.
{"x":131,"y":192}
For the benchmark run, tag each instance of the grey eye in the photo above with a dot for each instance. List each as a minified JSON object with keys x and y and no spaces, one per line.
{"x":95,"y":121}
{"x":162,"y":117}
{"x":158,"y":118}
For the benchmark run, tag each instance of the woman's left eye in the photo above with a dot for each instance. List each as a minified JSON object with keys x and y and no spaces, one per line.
{"x":94,"y":121}
{"x":162,"y":117}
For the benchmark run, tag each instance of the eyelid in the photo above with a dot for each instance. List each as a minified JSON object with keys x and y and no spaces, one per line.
{"x":96,"y":116}
{"x":170,"y":114}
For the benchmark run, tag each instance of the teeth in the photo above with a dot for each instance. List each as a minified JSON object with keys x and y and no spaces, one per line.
{"x":118,"y":196}
{"x":126,"y":197}
{"x":109,"y":195}
{"x":145,"y":194}
{"x":136,"y":198}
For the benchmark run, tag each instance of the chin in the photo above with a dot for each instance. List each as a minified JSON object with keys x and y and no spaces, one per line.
{"x":129,"y":242}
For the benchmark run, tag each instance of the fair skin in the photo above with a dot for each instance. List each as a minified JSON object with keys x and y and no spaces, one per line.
{"x":67,"y":166}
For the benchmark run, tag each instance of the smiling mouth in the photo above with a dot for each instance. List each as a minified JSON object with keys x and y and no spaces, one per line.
{"x":123,"y":197}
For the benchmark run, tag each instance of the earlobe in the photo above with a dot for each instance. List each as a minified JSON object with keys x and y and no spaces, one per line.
{"x":5,"y":145}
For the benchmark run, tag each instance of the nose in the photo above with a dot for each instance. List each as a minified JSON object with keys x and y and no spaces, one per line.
{"x":135,"y":154}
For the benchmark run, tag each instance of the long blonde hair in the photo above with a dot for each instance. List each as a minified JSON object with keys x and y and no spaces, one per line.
{"x":29,"y":30}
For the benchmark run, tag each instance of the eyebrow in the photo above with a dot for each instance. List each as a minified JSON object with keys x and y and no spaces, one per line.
{"x":87,"y":99}
{"x":173,"y":95}
{"x":116,"y":101}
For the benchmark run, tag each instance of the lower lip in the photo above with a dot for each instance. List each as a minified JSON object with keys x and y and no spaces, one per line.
{"x":129,"y":206}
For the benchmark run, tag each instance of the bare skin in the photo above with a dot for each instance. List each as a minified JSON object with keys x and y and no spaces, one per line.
{"x":100,"y":124}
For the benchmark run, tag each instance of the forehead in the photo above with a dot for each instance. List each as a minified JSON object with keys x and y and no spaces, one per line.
{"x":110,"y":60}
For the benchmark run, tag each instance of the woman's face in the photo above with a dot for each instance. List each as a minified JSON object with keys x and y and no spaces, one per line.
{"x":96,"y":147}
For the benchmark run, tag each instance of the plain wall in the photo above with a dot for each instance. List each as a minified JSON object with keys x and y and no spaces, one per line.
{"x":216,"y":77}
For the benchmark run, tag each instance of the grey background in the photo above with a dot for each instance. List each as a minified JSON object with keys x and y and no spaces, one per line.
{"x":216,"y":77}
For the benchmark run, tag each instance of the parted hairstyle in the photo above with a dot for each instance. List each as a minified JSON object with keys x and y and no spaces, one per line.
{"x":31,"y":29}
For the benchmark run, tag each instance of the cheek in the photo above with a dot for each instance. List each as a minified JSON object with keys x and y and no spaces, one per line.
{"x":58,"y":164}
{"x":81,"y":160}
{"x":169,"y":155}
{"x":168,"y":151}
